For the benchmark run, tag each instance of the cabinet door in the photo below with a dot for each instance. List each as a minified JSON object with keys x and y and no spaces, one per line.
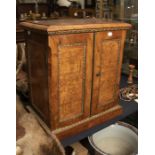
{"x":107,"y":66}
{"x":71,"y":75}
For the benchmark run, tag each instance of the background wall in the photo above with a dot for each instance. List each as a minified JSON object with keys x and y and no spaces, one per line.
{"x":31,"y":1}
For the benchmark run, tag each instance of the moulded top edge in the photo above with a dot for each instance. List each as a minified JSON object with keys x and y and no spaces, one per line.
{"x":73,"y":24}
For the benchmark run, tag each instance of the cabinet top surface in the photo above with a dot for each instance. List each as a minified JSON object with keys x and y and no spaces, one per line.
{"x":72,"y":24}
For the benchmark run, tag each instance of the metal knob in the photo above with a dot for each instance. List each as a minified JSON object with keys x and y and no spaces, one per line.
{"x":109,"y":34}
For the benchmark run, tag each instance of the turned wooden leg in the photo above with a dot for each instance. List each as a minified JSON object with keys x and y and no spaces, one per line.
{"x":130,"y":78}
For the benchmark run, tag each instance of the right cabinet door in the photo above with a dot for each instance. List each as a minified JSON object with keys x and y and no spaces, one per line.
{"x":107,"y":67}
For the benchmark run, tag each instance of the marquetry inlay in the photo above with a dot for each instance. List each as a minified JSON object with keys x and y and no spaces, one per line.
{"x":109,"y":70}
{"x":71,"y":68}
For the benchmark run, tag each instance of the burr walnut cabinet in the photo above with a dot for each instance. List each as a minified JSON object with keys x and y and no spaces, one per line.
{"x":74,"y":71}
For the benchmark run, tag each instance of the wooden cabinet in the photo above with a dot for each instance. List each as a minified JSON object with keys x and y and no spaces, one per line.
{"x":74,"y":72}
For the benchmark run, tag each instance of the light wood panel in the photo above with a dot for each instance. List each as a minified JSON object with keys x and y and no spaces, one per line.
{"x":108,"y":54}
{"x":72,"y":66}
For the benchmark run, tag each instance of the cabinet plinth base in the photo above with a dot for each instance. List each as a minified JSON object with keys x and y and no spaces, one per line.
{"x":88,"y":122}
{"x":83,"y":125}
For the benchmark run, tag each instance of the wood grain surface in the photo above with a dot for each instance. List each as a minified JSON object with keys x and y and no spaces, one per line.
{"x":71,"y":81}
{"x":74,"y":24}
{"x":107,"y":66}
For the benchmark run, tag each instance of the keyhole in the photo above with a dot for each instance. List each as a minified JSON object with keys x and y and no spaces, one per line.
{"x":98,"y":74}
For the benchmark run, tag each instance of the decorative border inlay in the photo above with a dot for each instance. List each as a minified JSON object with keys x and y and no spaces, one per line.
{"x":83,"y":79}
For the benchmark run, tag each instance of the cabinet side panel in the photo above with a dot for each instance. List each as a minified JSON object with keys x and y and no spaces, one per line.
{"x":37,"y":69}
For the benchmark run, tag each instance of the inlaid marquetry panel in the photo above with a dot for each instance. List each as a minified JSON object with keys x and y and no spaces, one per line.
{"x":71,"y":64}
{"x":71,"y":77}
{"x":109,"y":59}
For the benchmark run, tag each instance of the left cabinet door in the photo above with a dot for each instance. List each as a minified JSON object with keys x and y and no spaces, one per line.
{"x":70,"y":77}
